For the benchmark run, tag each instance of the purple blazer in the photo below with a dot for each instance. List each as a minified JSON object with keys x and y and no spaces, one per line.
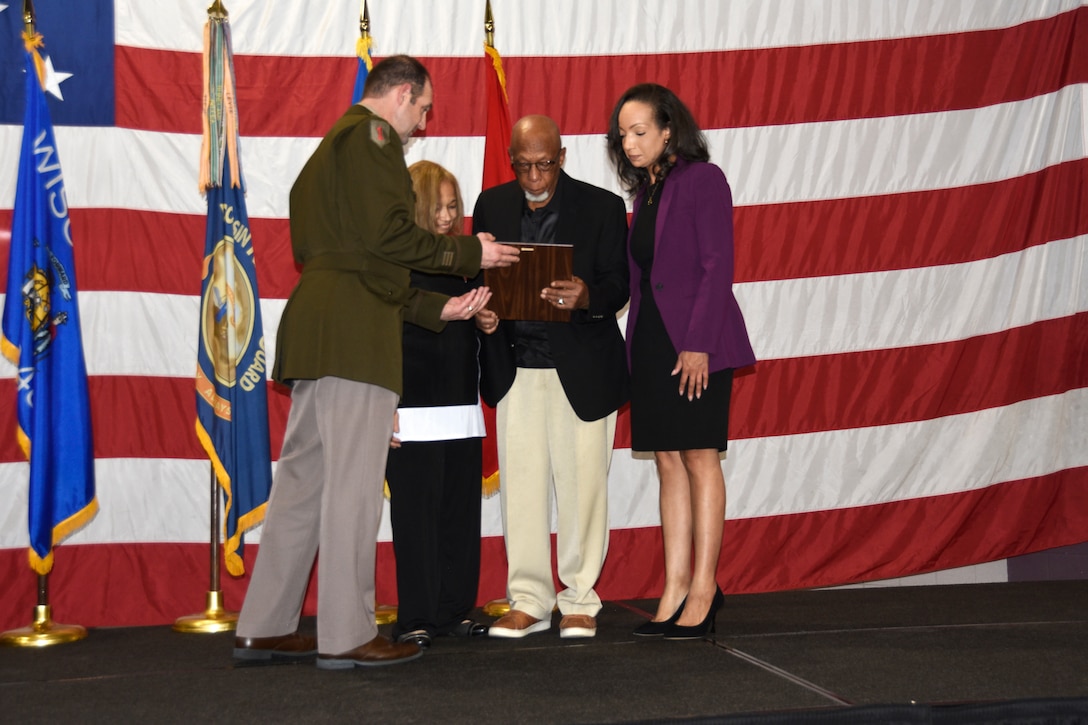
{"x":692,"y":276}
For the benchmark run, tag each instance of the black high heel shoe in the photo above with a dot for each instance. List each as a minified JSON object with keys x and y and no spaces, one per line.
{"x":656,"y":629}
{"x":703,"y":628}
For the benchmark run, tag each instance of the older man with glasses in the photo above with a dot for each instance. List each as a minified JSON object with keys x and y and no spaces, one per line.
{"x":556,"y":386}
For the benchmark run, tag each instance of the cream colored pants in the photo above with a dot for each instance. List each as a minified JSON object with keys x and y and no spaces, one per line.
{"x":543,"y":448}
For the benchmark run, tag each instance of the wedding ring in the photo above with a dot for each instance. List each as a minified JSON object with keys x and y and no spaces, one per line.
{"x":560,"y":300}
{"x":470,"y":308}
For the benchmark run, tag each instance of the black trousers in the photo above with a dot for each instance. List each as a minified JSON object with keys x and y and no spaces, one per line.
{"x":434,"y":507}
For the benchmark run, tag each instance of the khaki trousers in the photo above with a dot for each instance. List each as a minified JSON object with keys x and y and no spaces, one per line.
{"x":544,"y":446}
{"x":327,"y":496}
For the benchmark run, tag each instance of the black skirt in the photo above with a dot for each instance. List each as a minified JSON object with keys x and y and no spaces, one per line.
{"x":661,"y":418}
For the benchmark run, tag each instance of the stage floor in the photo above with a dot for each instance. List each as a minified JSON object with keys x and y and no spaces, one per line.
{"x":911,"y":654}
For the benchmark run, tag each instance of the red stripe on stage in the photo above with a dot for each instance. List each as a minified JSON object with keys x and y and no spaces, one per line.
{"x":110,"y":585}
{"x":776,"y":397}
{"x":776,"y":241}
{"x":302,"y":96}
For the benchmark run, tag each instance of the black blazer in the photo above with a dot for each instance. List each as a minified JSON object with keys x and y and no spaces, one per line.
{"x":589,"y":352}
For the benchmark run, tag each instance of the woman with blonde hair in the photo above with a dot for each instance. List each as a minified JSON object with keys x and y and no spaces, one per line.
{"x":435,"y":465}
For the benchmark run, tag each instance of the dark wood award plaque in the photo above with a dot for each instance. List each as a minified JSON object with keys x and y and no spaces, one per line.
{"x":515,"y":290}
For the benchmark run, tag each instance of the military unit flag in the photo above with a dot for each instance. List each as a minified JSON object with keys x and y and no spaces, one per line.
{"x":231,"y":382}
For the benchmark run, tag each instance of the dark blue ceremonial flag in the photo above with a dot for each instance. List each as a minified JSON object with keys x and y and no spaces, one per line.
{"x":41,"y":336}
{"x":232,"y":393}
{"x":79,"y":43}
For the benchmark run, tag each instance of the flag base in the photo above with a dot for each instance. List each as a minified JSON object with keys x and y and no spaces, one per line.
{"x":43,"y":632}
{"x":211,"y":620}
{"x":385,"y":614}
{"x":496,"y":607}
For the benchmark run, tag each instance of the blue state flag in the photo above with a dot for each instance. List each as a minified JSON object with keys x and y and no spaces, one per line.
{"x":231,"y":381}
{"x":79,"y":51}
{"x":41,"y":335}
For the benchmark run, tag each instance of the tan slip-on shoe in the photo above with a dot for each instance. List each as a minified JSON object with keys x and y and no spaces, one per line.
{"x":516,"y":624}
{"x":577,"y":625}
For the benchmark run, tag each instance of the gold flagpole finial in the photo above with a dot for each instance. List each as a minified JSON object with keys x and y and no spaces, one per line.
{"x":217,"y":11}
{"x":28,"y":16}
{"x":364,"y":22}
{"x":489,"y":26}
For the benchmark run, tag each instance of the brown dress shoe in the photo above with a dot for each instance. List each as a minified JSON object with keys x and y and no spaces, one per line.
{"x":287,"y":646}
{"x":376,"y":652}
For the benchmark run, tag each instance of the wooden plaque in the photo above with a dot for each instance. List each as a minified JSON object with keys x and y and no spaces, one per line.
{"x":515,"y":290}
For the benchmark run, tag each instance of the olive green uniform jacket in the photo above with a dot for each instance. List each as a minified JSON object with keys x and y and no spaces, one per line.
{"x":353,"y":233}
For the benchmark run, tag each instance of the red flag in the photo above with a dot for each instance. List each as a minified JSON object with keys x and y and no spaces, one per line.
{"x":497,"y":171}
{"x":497,"y":134}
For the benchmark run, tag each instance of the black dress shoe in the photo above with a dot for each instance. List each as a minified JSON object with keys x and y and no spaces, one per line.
{"x":703,"y":628}
{"x":285,"y":647}
{"x":656,"y":629}
{"x":469,"y":628}
{"x":418,"y":637}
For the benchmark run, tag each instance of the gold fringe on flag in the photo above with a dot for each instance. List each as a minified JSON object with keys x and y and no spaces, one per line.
{"x":220,"y":117}
{"x":362,"y":49}
{"x":33,"y":41}
{"x":490,"y":485}
{"x":496,"y":61}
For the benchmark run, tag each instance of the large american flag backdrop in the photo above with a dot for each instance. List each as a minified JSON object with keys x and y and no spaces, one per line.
{"x":911,"y":189}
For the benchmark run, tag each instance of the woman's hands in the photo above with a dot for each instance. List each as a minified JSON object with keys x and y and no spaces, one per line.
{"x":487,"y":321}
{"x":693,"y":368}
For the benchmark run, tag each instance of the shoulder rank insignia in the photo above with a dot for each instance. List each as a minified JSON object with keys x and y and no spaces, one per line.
{"x":379,"y":132}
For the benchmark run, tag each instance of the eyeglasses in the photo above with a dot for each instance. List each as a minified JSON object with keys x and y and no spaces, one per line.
{"x":522,"y":167}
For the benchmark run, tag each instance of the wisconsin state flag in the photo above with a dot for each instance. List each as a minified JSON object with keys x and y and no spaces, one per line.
{"x":41,"y":335}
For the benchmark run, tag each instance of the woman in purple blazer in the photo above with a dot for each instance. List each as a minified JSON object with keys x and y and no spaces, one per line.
{"x":685,"y":335}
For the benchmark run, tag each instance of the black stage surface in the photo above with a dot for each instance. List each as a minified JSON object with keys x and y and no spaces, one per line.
{"x":1014,"y":653}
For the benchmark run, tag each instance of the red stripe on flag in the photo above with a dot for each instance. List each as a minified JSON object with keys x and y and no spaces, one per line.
{"x":776,"y":397}
{"x":775,"y":241}
{"x":101,"y":582}
{"x":298,"y":96}
{"x":901,"y":385}
{"x":903,"y":231}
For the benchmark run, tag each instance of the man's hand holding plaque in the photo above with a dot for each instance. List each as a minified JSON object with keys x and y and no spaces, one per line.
{"x":566,"y":294}
{"x":495,"y":254}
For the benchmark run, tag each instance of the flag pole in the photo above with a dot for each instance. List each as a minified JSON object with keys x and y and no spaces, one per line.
{"x":496,"y":607}
{"x":215,"y":617}
{"x":43,"y":631}
{"x":383,"y":613}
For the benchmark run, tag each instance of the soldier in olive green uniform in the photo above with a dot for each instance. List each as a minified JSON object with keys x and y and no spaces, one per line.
{"x":339,"y":346}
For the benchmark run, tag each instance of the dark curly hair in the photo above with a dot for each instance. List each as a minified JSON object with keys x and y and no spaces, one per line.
{"x":686,"y":140}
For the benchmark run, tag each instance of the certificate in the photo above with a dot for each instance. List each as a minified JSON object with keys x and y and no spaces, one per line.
{"x":515,"y":290}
